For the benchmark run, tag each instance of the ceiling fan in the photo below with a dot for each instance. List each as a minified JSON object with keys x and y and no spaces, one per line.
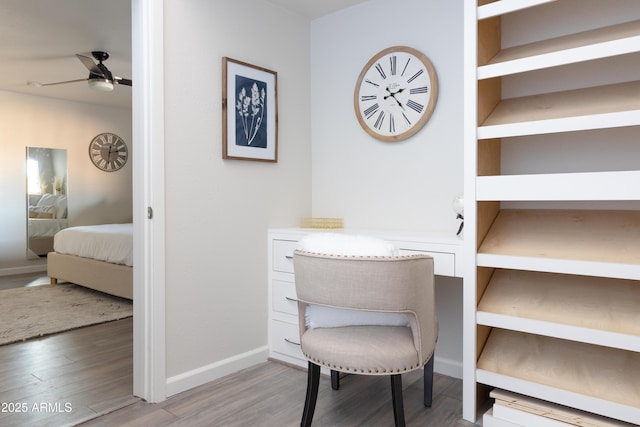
{"x":100,"y":78}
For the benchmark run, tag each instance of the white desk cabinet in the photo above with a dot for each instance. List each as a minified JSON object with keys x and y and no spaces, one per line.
{"x":283,"y":310}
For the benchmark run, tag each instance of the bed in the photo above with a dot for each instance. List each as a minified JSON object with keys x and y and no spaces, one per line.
{"x":99,"y":257}
{"x":47,"y":216}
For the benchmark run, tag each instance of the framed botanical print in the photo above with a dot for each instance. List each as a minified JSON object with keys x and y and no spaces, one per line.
{"x":249,"y":112}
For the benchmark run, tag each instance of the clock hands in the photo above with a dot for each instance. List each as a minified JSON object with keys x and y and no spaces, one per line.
{"x":393,"y":95}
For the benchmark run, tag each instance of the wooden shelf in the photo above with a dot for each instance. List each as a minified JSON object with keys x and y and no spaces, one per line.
{"x":596,"y":310}
{"x":597,"y":107}
{"x":498,"y":8}
{"x":584,"y":235}
{"x":604,"y":42}
{"x":597,"y":379}
{"x":559,"y":186}
{"x":554,"y":292}
{"x":527,"y":411}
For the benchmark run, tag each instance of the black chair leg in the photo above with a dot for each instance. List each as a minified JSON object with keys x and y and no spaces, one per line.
{"x":396,"y":396}
{"x":313,"y":381}
{"x":428,"y":383}
{"x":335,"y":380}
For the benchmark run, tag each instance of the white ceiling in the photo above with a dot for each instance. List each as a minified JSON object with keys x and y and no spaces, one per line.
{"x":41,"y":37}
{"x":315,"y":8}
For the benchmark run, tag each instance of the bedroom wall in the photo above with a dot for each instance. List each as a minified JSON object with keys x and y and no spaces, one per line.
{"x":218,"y":211}
{"x":406,"y":185}
{"x":94,"y":197}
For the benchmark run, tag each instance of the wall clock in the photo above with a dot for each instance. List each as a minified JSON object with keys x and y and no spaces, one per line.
{"x":108,"y":152}
{"x":395,"y":94}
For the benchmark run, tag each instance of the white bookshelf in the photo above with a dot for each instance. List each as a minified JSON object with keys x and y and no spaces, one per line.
{"x":614,"y":40}
{"x":559,"y":186}
{"x":503,"y":7}
{"x":551,"y":294}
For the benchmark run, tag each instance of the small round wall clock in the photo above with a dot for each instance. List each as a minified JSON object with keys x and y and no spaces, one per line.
{"x":395,"y":94}
{"x":108,"y":152}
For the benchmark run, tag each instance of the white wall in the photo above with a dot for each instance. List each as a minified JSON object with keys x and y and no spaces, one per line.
{"x":218,"y":211}
{"x":405,"y":185}
{"x":94,"y":196}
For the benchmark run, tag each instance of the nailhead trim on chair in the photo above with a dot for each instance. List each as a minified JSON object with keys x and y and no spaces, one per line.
{"x":363,"y":371}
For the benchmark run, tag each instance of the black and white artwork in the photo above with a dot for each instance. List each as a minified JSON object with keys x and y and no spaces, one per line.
{"x":249,"y":112}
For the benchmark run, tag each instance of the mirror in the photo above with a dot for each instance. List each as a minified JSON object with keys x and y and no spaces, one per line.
{"x":47,"y":211}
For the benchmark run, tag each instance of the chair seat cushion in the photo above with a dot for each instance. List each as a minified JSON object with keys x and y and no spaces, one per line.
{"x":369,"y":350}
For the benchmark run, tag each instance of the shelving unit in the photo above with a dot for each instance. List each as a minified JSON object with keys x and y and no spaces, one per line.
{"x":551,"y":293}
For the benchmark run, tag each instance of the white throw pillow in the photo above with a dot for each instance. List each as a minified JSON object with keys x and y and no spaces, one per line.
{"x":346,"y":244}
{"x":317,"y":316}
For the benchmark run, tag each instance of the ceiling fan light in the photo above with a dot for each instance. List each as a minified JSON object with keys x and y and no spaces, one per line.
{"x":102,"y":85}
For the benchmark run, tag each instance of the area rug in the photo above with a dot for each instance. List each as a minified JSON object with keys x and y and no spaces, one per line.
{"x":36,"y":311}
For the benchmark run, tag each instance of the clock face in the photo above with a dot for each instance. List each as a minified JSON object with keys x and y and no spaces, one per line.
{"x":108,"y":152}
{"x":395,"y":94}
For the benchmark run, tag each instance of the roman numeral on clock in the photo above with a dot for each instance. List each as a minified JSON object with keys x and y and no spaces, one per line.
{"x":379,"y":120}
{"x":423,"y":89}
{"x":371,"y":110}
{"x":405,"y":66}
{"x":415,"y":106}
{"x":392,"y":124}
{"x":406,"y":119}
{"x":372,"y":83}
{"x":393,"y":60}
{"x":368,"y":98}
{"x":415,"y":76}
{"x":381,"y":71}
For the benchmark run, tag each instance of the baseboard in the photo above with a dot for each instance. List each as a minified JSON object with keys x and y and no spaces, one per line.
{"x":449,"y":367}
{"x":10,"y":271}
{"x":197,"y":377}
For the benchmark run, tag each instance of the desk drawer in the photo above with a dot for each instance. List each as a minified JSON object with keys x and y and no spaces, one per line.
{"x":285,"y":339}
{"x":283,"y":255}
{"x":284,"y":297}
{"x":444,"y":264}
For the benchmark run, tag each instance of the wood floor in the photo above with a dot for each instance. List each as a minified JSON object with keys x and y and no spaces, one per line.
{"x":67,"y":378}
{"x":272,"y":394}
{"x":23,"y":280}
{"x":84,"y":377}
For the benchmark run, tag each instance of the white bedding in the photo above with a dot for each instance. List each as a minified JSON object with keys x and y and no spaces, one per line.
{"x":106,"y":242}
{"x":46,"y":227}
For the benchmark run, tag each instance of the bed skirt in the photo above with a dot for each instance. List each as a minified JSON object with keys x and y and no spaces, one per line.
{"x":114,"y":279}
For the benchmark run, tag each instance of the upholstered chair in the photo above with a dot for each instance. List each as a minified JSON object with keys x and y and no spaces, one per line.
{"x":379,"y":286}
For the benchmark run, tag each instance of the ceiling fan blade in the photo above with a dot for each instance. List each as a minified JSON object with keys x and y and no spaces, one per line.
{"x":38,"y":84}
{"x":88,"y":62}
{"x":122,"y":81}
{"x":103,"y":72}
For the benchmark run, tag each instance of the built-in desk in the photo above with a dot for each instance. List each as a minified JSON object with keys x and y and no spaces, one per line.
{"x":446,"y":250}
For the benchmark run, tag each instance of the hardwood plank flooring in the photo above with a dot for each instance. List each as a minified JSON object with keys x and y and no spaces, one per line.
{"x":272,"y":394}
{"x":67,"y":378}
{"x":23,"y":280}
{"x":91,"y":369}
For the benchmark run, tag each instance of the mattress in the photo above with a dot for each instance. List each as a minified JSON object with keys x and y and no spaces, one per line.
{"x":105,"y":242}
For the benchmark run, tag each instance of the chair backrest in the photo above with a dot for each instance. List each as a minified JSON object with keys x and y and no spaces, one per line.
{"x":397,"y":284}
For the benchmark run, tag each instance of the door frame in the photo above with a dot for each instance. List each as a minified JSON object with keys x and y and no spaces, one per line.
{"x":149,"y":351}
